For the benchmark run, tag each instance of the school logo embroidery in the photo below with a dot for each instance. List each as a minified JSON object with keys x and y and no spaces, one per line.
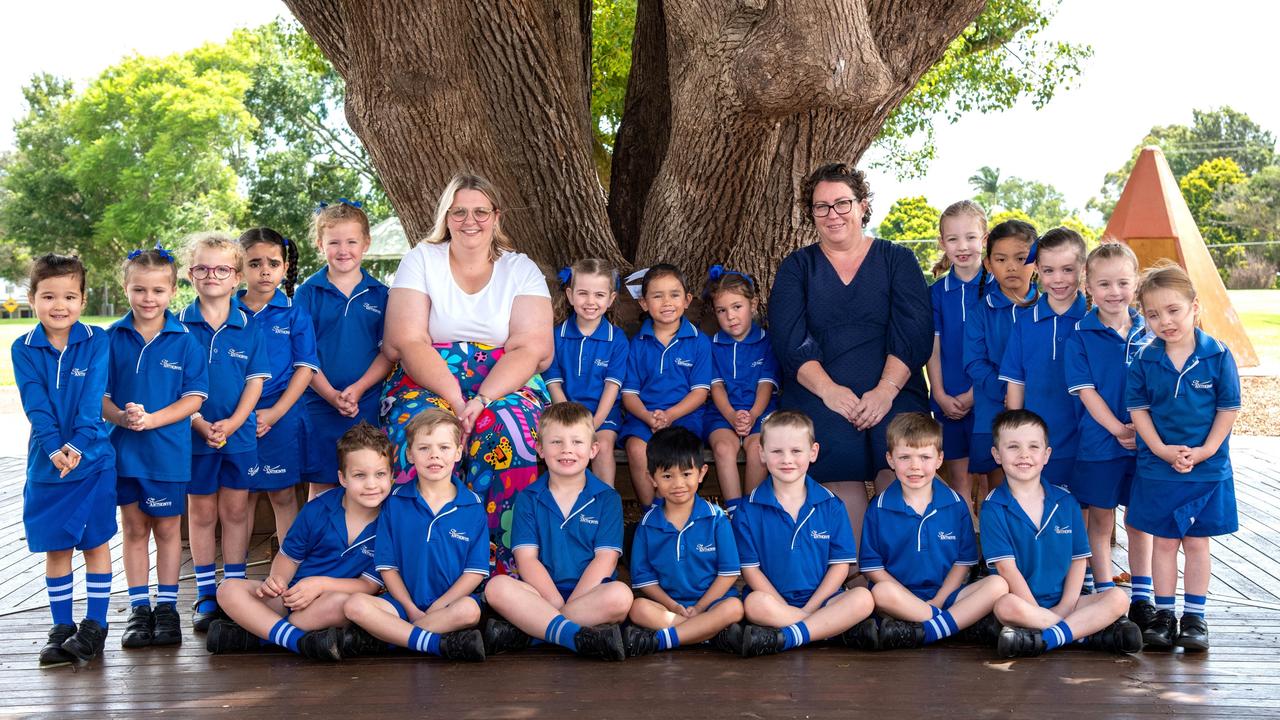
{"x":170,"y":365}
{"x":373,"y":308}
{"x":159,"y":502}
{"x":279,"y":330}
{"x":681,"y":362}
{"x":459,"y":535}
{"x":274,"y":469}
{"x":237,"y":354}
{"x":602,"y":363}
{"x":368,"y":551}
{"x":819,"y":534}
{"x":705,"y":548}
{"x":758,"y":363}
{"x":253,"y":471}
{"x":1202,"y":384}
{"x":944,"y":535}
{"x":1062,"y":530}
{"x":79,"y":372}
{"x":588,"y":520}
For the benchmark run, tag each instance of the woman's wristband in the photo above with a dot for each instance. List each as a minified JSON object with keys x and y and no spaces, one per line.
{"x":896,"y":386}
{"x":484,"y":400}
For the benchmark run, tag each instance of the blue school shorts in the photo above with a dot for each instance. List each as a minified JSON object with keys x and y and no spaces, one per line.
{"x":279,"y":463}
{"x":957,"y":435}
{"x":1103,"y":483}
{"x":220,"y":470}
{"x":633,"y":427}
{"x":980,"y":459}
{"x":70,"y":515}
{"x":1177,"y":508}
{"x":613,"y":421}
{"x":156,"y":498}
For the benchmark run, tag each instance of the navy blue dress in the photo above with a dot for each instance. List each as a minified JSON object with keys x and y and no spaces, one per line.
{"x":851,"y":330}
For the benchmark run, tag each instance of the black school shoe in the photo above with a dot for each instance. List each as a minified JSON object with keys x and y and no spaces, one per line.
{"x":863,"y":636}
{"x":358,"y":642}
{"x":1122,"y":637}
{"x":900,"y":635}
{"x":52,"y":652}
{"x":601,"y":641}
{"x":1162,"y":630}
{"x":638,"y":641}
{"x":88,"y":641}
{"x":1019,"y":642}
{"x":138,"y":628}
{"x":1142,"y":613}
{"x":167,"y":628}
{"x":501,"y":636}
{"x":758,"y":640}
{"x":323,"y":645}
{"x":729,"y":640}
{"x":1193,"y":634}
{"x":462,"y":645}
{"x":226,"y":636}
{"x":200,"y":621}
{"x":984,"y":632}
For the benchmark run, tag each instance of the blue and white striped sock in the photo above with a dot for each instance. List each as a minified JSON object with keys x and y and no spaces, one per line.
{"x":1056,"y":636}
{"x":795,"y":636}
{"x":99,"y":587}
{"x":1104,"y":586}
{"x":941,"y":626}
{"x":285,"y":635}
{"x":207,"y":586}
{"x":59,"y":589}
{"x":424,"y":642}
{"x":166,"y":594}
{"x":233,"y":571}
{"x":561,"y":631}
{"x":1142,"y":588}
{"x":668,"y":639}
{"x":1088,"y":580}
{"x":140,"y":595}
{"x":1166,"y":603}
{"x":1193,"y":605}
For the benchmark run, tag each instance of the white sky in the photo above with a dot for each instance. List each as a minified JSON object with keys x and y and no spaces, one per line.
{"x":1154,"y":60}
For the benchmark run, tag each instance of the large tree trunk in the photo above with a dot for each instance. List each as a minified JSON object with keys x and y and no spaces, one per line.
{"x":730,"y":104}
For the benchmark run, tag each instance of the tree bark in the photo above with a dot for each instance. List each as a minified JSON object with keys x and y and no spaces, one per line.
{"x":730,"y":104}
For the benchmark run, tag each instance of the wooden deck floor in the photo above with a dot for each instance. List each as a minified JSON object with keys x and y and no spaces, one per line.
{"x":1239,"y":677}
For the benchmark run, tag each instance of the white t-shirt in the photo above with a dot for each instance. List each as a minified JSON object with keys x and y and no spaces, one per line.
{"x":484,"y":317}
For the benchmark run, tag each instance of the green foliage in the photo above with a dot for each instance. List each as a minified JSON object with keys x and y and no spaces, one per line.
{"x":1002,"y":215}
{"x":1252,"y":209}
{"x":913,"y":222}
{"x":1204,"y":188}
{"x":613,"y":24}
{"x":995,"y":62}
{"x":1035,"y":202}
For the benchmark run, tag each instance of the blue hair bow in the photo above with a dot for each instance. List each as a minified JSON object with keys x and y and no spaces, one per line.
{"x":164,"y":254}
{"x":715,"y":272}
{"x":349,"y":203}
{"x":1031,"y":254}
{"x":564,"y":276}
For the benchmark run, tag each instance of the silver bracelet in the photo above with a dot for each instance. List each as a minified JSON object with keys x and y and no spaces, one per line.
{"x":891,"y":382}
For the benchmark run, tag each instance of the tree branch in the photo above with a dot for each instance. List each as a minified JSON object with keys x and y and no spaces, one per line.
{"x":323,"y":21}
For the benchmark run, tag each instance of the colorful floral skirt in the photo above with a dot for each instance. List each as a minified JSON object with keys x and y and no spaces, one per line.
{"x":500,"y":459}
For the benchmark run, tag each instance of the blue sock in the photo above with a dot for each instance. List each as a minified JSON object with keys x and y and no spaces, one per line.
{"x":731,"y":506}
{"x":1088,"y":580}
{"x":424,"y":642}
{"x":941,"y":626}
{"x":668,"y":639}
{"x":796,"y":635}
{"x":285,"y":635}
{"x":1142,"y":588}
{"x":1057,"y":636}
{"x":140,"y":595}
{"x":99,"y":587}
{"x":166,"y":594}
{"x":233,"y":571}
{"x":1193,"y":605}
{"x":1165,"y":603}
{"x":1104,"y":586}
{"x":206,"y":585}
{"x":561,"y":631}
{"x":59,"y":589}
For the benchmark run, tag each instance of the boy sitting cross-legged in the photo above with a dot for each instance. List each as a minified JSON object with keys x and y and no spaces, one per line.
{"x":433,"y":552}
{"x":1033,"y":535}
{"x":684,"y":560}
{"x":567,"y":538}
{"x":796,"y":547}
{"x":917,"y":548}
{"x":326,"y":558}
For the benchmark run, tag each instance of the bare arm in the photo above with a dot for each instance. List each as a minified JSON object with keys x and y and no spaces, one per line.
{"x":248,"y":400}
{"x":764,"y":393}
{"x":1218,"y":432}
{"x":607,"y":400}
{"x":655,"y":593}
{"x":394,"y":584}
{"x":533,"y":572}
{"x":529,"y":347}
{"x":556,"y":391}
{"x":717,"y":590}
{"x":956,"y":577}
{"x":1147,"y":429}
{"x":831,"y":583}
{"x":694,"y":400}
{"x":1102,"y":415}
{"x":1015,"y":396}
{"x":407,"y":340}
{"x":597,"y":571}
{"x":297,"y":385}
{"x":632,"y":404}
{"x":758,"y":582}
{"x":720,"y":399}
{"x":1008,"y":570}
{"x":1071,"y":588}
{"x":462,"y":587}
{"x":838,"y":398}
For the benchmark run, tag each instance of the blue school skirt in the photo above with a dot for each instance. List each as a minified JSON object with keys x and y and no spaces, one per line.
{"x":634,"y":427}
{"x":715,"y":421}
{"x":280,"y":452}
{"x":70,"y":515}
{"x":1103,"y":483}
{"x":1177,"y":508}
{"x":957,"y":435}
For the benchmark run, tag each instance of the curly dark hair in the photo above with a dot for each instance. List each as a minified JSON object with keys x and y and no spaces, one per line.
{"x":836,"y":172}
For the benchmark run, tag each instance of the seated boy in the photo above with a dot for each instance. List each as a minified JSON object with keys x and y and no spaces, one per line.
{"x":684,"y":560}
{"x":1033,"y":534}
{"x":796,"y":547}
{"x":918,"y":545}
{"x":326,"y":558}
{"x":432,"y":551}
{"x":566,"y":535}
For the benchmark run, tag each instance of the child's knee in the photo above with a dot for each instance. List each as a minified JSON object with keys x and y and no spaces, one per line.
{"x":167,"y":529}
{"x":994,"y":585}
{"x":468,"y":611}
{"x":1117,"y":601}
{"x":283,"y":498}
{"x":232,"y":588}
{"x":202,"y":510}
{"x":882,"y":593}
{"x":757,"y":604}
{"x":499,"y":589}
{"x":861,"y":599}
{"x":1008,"y":606}
{"x":617,"y":598}
{"x":358,"y":607}
{"x":731,"y":609}
{"x":137,"y":530}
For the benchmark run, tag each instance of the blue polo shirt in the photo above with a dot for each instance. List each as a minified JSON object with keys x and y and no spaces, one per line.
{"x":986,"y":334}
{"x":317,"y":541}
{"x":155,"y":375}
{"x":918,"y":550}
{"x":348,"y":329}
{"x":663,"y":375}
{"x":742,"y":365}
{"x":1183,"y":403}
{"x":954,"y":300}
{"x":290,"y":342}
{"x":685,"y":561}
{"x":1098,"y":358}
{"x":236,"y":355}
{"x":794,"y":554}
{"x":432,"y":550}
{"x":1036,"y":358}
{"x":1043,"y":553}
{"x":67,"y":411}
{"x":566,"y":544}
{"x":583,"y":364}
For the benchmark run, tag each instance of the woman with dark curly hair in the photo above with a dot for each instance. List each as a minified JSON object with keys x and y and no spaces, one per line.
{"x":852,"y":326}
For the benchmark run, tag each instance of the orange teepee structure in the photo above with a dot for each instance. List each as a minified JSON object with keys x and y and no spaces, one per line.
{"x":1153,"y":218}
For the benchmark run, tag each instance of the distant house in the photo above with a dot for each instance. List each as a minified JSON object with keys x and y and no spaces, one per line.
{"x":388,"y":244}
{"x":17,"y":292}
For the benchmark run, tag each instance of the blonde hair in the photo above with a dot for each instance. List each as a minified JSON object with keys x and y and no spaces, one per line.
{"x":212,"y":241}
{"x":566,"y":414}
{"x":914,"y":429}
{"x":1166,"y":275}
{"x":1111,"y":249}
{"x":336,"y":214}
{"x":963,"y":208}
{"x":466,"y":181}
{"x":788,"y":419}
{"x":428,"y":420}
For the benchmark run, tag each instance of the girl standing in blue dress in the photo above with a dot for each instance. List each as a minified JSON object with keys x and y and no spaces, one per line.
{"x":68,"y":502}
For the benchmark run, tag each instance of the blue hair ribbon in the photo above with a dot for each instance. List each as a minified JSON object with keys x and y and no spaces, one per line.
{"x":164,"y":254}
{"x":1031,"y":254}
{"x":564,"y":276}
{"x":715,"y":272}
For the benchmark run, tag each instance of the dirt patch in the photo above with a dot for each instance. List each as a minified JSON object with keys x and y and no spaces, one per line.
{"x":1260,"y":413}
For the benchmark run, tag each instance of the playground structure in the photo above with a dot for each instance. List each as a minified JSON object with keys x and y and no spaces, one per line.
{"x":1153,"y":218}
